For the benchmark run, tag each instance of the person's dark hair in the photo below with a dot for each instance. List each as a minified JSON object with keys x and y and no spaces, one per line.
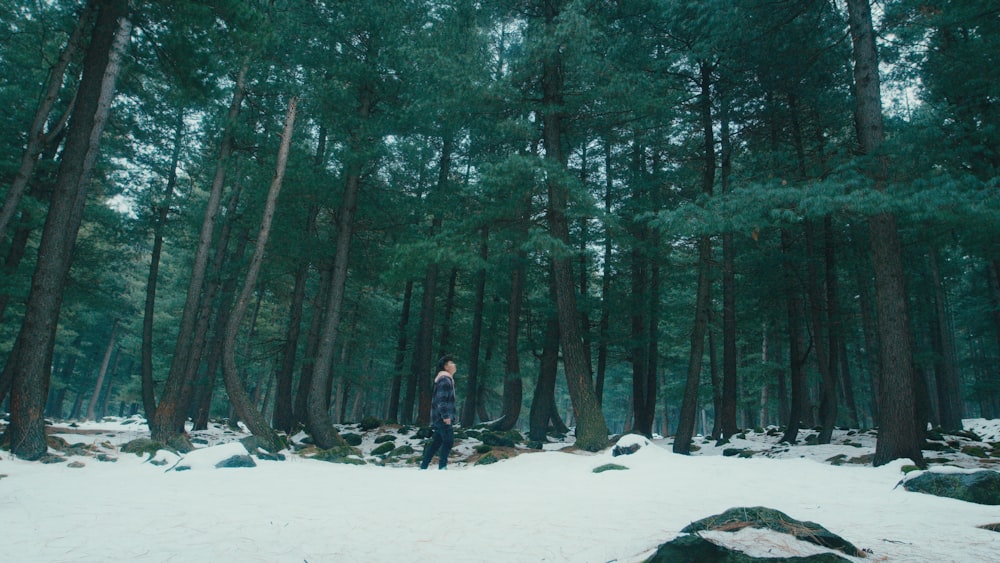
{"x":444,"y":360}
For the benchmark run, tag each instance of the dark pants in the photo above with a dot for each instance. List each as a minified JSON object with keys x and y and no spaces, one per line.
{"x":444,"y":438}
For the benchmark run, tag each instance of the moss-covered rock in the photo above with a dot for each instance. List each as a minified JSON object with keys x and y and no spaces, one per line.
{"x":401,"y":451}
{"x":736,"y":519}
{"x":487,"y":459}
{"x":385,"y":438}
{"x":143,"y":446}
{"x":497,"y":439}
{"x":980,"y":487}
{"x":696,"y":549}
{"x":369,"y":423}
{"x":483,"y":448}
{"x":236,"y":461}
{"x":352,"y":439}
{"x":340,"y":454}
{"x":976,"y":451}
{"x":384,"y":448}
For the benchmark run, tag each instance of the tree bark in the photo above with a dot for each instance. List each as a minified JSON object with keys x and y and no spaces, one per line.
{"x":900,"y":432}
{"x":32,"y":354}
{"x":689,"y":405}
{"x":591,"y":428}
{"x":513,"y":387}
{"x":727,"y":419}
{"x":543,"y":399}
{"x":392,"y":414}
{"x":318,"y":417}
{"x":245,"y":408}
{"x":817,"y":306}
{"x":797,"y":351}
{"x":469,"y":411}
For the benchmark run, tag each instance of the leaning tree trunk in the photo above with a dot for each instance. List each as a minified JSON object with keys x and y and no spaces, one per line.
{"x":102,"y":373}
{"x":163,"y":425}
{"x":238,"y":396}
{"x":31,"y":357}
{"x":36,"y":136}
{"x":900,"y":432}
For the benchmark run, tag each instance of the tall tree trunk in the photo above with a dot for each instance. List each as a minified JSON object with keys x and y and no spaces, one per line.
{"x":797,"y":351}
{"x":392,"y":414}
{"x":834,"y":326}
{"x":160,"y":212}
{"x":900,"y":432}
{"x":36,"y":134}
{"x":444,"y":344}
{"x":513,"y":386}
{"x":32,"y":353}
{"x":591,"y":428}
{"x":727,"y":420}
{"x":201,"y":386}
{"x":689,"y":405}
{"x":163,"y":426}
{"x":312,"y":343}
{"x":945,"y":369}
{"x":817,"y":305}
{"x":472,"y":378}
{"x":318,"y":416}
{"x":283,"y":418}
{"x":604,"y":324}
{"x":543,"y":399}
{"x":102,"y":372}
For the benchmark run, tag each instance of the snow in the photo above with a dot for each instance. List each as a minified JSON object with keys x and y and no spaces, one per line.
{"x":538,"y":506}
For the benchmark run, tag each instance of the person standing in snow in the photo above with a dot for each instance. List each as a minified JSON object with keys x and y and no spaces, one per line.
{"x":442,"y":414}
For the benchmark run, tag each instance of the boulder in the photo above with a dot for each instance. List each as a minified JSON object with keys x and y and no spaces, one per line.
{"x":236,"y":461}
{"x":980,"y":487}
{"x":736,"y":519}
{"x":696,"y":549}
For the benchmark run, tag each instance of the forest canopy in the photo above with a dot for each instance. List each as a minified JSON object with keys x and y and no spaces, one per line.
{"x":653,"y":216}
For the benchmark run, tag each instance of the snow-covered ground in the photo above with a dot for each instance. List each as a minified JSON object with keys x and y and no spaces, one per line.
{"x":538,"y":506}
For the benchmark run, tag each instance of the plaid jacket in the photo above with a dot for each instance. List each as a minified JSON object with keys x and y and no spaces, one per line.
{"x":443,"y":402}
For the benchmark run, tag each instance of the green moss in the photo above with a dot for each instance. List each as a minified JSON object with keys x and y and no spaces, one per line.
{"x":352,"y":439}
{"x":401,"y":451}
{"x":340,"y":454}
{"x":143,"y":446}
{"x":487,"y":459}
{"x":385,"y":438}
{"x":908,"y":468}
{"x":975,"y":451}
{"x":483,"y":448}
{"x":383,"y":449}
{"x":610,"y":467}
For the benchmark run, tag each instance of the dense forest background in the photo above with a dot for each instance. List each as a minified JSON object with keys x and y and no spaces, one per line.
{"x":646,"y":215}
